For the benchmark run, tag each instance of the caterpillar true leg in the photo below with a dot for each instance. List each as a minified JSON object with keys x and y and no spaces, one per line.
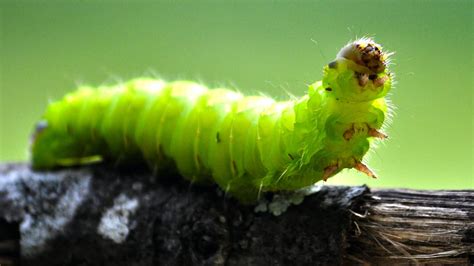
{"x":248,"y":145}
{"x":376,"y":134}
{"x":330,"y":171}
{"x":364,"y":169}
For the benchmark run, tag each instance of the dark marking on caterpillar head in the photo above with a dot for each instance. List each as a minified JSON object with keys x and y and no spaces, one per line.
{"x":371,"y":56}
{"x":328,"y":89}
{"x":218,"y":137}
{"x":367,"y":53}
{"x":332,"y":65}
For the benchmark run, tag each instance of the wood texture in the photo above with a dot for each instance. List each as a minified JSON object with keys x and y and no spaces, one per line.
{"x":414,"y":227}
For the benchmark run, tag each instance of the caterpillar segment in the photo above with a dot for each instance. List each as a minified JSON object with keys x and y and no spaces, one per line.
{"x":248,"y":145}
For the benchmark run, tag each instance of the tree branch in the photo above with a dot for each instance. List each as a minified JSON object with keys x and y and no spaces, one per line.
{"x":99,"y":215}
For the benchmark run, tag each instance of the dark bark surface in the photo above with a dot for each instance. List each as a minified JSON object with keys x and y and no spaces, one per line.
{"x":100,"y":216}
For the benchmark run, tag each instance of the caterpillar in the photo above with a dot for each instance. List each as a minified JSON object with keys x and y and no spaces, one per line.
{"x":248,"y":145}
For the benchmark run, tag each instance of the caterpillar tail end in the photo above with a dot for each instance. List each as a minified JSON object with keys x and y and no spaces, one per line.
{"x":51,"y":149}
{"x":39,"y":145}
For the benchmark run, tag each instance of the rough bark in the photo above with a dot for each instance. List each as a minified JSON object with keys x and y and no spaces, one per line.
{"x":414,"y":227}
{"x":98,"y":215}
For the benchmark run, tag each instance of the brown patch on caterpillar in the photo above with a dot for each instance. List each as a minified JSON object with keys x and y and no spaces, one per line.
{"x":362,"y":78}
{"x":328,"y":89}
{"x":364,"y":169}
{"x":218,"y":137}
{"x":348,"y":134}
{"x":361,"y":128}
{"x":380,"y":81}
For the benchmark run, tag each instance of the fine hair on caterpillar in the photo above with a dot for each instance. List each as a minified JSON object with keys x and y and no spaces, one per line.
{"x":248,"y":145}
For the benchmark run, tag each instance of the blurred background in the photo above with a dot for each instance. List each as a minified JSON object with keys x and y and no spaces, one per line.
{"x":47,"y":49}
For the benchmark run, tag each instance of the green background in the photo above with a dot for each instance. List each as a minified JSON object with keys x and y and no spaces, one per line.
{"x":47,"y":48}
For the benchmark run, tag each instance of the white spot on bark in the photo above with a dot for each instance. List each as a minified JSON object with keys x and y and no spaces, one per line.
{"x":37,"y":228}
{"x":114,"y":223}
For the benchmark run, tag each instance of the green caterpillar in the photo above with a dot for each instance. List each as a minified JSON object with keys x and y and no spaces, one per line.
{"x":245,"y":144}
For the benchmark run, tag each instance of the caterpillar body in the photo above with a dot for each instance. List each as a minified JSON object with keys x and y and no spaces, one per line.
{"x":245,"y":144}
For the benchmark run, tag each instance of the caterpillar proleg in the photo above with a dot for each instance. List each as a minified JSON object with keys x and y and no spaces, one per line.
{"x":248,"y":145}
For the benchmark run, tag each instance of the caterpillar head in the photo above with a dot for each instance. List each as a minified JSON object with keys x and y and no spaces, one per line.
{"x":359,"y":73}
